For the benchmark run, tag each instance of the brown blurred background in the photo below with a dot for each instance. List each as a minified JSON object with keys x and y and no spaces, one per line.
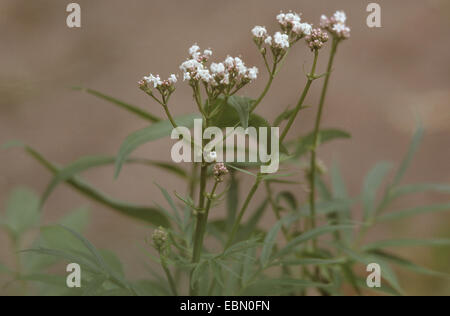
{"x":382,"y":78}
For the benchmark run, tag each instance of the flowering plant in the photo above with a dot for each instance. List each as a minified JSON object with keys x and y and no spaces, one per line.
{"x":320,"y":242}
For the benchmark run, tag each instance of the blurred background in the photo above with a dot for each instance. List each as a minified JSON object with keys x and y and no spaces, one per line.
{"x":383,"y":78}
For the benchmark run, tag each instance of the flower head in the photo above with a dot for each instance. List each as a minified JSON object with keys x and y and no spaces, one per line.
{"x":317,"y":39}
{"x":165,"y":87}
{"x":160,"y":238}
{"x":219,"y":171}
{"x":336,"y":25}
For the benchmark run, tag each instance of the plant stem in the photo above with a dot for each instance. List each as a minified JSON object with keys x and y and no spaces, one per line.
{"x":172,"y":285}
{"x":311,"y":78}
{"x":202,"y":219}
{"x":316,"y":134}
{"x":242,"y":211}
{"x":169,"y":116}
{"x":276,"y":210}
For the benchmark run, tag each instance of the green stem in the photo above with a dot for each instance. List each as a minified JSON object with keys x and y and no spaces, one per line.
{"x":311,"y":78}
{"x":313,"y":166}
{"x":202,"y":219}
{"x":172,"y":285}
{"x":169,"y":116}
{"x":276,"y":210}
{"x":242,"y":211}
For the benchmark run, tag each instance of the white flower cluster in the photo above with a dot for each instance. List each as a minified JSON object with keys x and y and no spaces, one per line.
{"x":291,"y":22}
{"x":230,"y":73}
{"x":292,"y":31}
{"x":165,"y":87}
{"x":336,"y":25}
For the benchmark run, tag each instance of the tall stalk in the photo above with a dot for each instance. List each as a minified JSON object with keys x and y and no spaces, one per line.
{"x":313,"y":162}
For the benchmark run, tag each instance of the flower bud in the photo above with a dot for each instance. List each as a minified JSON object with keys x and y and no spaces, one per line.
{"x":160,"y":238}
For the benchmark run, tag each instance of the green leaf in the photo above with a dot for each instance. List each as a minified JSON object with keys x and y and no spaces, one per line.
{"x":417,"y":188}
{"x":365,"y":259}
{"x":414,"y":211}
{"x":406,"y":243}
{"x":286,"y":114}
{"x":308,"y":236}
{"x":153,"y":132}
{"x":310,"y":261}
{"x":305,"y":143}
{"x":417,"y":138}
{"x":408,"y":264}
{"x":340,"y":193}
{"x":242,"y":106}
{"x":22,"y":211}
{"x":94,"y":286}
{"x":371,"y":185}
{"x":77,"y":219}
{"x":131,"y":108}
{"x":269,"y":242}
{"x":147,"y":214}
{"x":289,"y":198}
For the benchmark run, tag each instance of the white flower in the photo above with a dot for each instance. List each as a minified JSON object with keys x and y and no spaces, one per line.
{"x":302,"y":28}
{"x":187,"y":76}
{"x":153,"y":80}
{"x":281,"y":40}
{"x":341,"y":30}
{"x":340,"y":17}
{"x":288,"y":19}
{"x":207,"y":53}
{"x":324,"y":21}
{"x":217,"y":68}
{"x":204,"y":75}
{"x":259,"y":31}
{"x":194,"y":51}
{"x":226,"y":79}
{"x":252,"y":73}
{"x":268,"y":40}
{"x":172,"y":79}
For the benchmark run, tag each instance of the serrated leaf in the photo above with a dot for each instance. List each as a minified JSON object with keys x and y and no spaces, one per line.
{"x":153,"y":132}
{"x":124,"y":105}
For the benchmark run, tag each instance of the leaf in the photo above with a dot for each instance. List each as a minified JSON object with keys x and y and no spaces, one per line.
{"x":414,"y":211}
{"x":340,"y":192}
{"x":94,"y":285}
{"x":416,"y":188}
{"x":242,"y":106}
{"x":153,"y":132}
{"x":365,"y":259}
{"x":269,"y":242}
{"x":289,"y":198}
{"x":409,"y":265}
{"x":147,"y":214}
{"x":77,"y":219}
{"x":417,"y":138}
{"x":371,"y":185}
{"x":406,"y":243}
{"x":309,"y":235}
{"x":131,"y":108}
{"x":310,"y":261}
{"x":305,"y":143}
{"x":21,"y":211}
